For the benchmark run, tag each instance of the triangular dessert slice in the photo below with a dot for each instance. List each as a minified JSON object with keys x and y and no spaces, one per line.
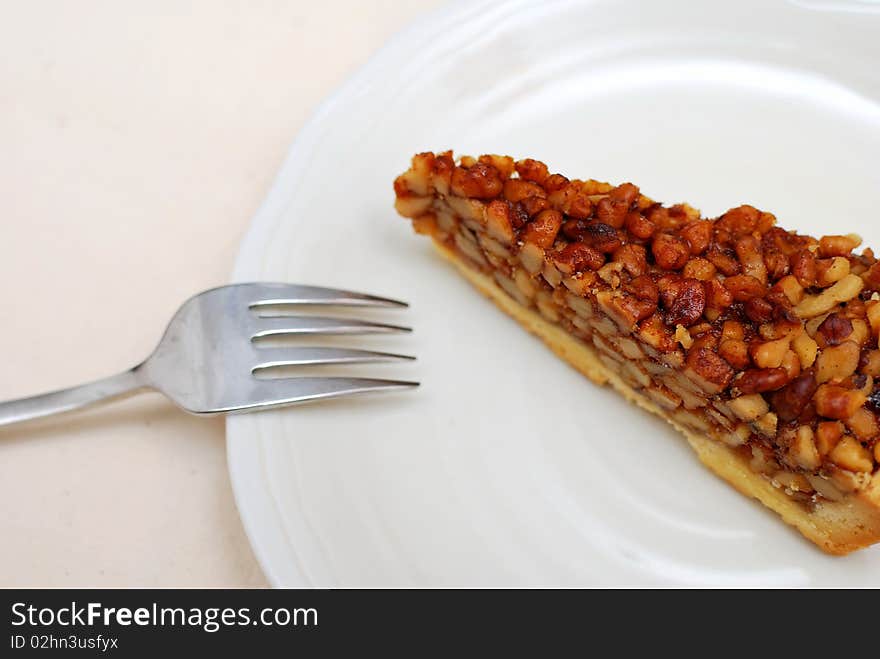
{"x":760,"y":345}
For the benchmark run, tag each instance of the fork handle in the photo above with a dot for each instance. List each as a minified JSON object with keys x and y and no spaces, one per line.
{"x":74,"y":398}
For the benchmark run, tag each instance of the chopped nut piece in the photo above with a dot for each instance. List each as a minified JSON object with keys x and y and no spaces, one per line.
{"x":525,"y":284}
{"x":602,"y":237}
{"x":766,"y":425}
{"x":412,"y":207}
{"x":831,"y":272}
{"x":516,"y":189}
{"x":699,"y":268}
{"x":791,"y":288}
{"x":834,"y":330}
{"x":532,"y":170}
{"x":803,"y":267}
{"x":836,"y":402}
{"x":714,"y":373}
{"x":838,"y":362}
{"x":612,"y":211}
{"x":748,"y":249}
{"x":760,"y":380}
{"x":811,"y":327}
{"x":504,"y":164}
{"x":511,"y":288}
{"x":735,"y":352}
{"x":532,"y":258}
{"x":724,"y":260}
{"x":864,"y":384}
{"x":873,"y":309}
{"x":870,"y":363}
{"x":733,"y":329}
{"x":629,"y":348}
{"x":845,"y":480}
{"x":688,"y":303}
{"x":769,"y":354}
{"x":827,"y":435}
{"x":740,"y":435}
{"x":578,"y":257}
{"x":803,"y":450}
{"x":639,"y":226}
{"x":698,"y":234}
{"x":749,"y":407}
{"x":759,"y":310}
{"x":654,"y":333}
{"x":498,"y":222}
{"x":543,"y":229}
{"x":610,"y":274}
{"x":790,"y":401}
{"x":469,"y":210}
{"x":838,"y":245}
{"x":479,"y":181}
{"x":633,"y":258}
{"x":793,"y":482}
{"x":791,"y":364}
{"x":417,"y":180}
{"x":664,"y":397}
{"x":580,"y":284}
{"x":683,"y":337}
{"x":739,"y":221}
{"x":851,"y":455}
{"x":470,"y":249}
{"x":763,"y":461}
{"x":745,"y":287}
{"x":670,"y":252}
{"x":806,"y":349}
{"x":843,"y":291}
{"x":824,"y":487}
{"x":861,"y":333}
{"x":425,"y":224}
{"x":718,"y":298}
{"x":863,"y":424}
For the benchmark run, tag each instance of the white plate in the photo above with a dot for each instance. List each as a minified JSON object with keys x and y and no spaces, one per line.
{"x":507,"y":467}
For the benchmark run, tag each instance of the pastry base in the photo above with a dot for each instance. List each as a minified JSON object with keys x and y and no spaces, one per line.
{"x":836,"y":527}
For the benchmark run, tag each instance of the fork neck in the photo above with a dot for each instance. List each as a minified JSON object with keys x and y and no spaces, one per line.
{"x":73,"y":398}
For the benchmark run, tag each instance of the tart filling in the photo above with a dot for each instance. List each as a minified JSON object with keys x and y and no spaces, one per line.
{"x":759,"y":344}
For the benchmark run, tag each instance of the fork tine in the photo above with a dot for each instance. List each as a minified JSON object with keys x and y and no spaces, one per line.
{"x":276,"y":294}
{"x":306,"y":356}
{"x":320,"y":325}
{"x":290,"y":391}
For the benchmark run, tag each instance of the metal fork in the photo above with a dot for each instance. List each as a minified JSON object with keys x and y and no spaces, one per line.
{"x":207,"y":359}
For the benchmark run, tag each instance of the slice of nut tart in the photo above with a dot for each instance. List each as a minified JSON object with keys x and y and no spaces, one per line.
{"x":760,"y":345}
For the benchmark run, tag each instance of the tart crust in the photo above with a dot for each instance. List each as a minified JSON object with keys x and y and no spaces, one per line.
{"x":837,"y":527}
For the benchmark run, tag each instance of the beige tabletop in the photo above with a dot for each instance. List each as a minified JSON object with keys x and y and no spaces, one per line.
{"x":136,"y":141}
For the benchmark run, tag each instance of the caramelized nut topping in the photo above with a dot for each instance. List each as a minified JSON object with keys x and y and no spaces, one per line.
{"x":753,"y":334}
